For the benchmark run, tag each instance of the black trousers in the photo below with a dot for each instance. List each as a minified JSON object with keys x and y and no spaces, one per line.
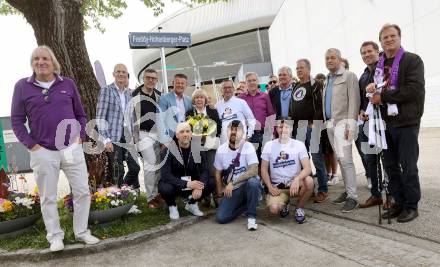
{"x":400,"y":161}
{"x":170,"y":192}
{"x":116,"y":170}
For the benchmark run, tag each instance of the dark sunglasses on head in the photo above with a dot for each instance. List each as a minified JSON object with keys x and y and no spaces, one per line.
{"x":46,"y":95}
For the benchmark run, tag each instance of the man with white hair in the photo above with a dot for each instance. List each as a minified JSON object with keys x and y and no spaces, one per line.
{"x":49,"y":101}
{"x":280,"y":96}
{"x":182,"y":176}
{"x":341,"y":102}
{"x":233,"y":108}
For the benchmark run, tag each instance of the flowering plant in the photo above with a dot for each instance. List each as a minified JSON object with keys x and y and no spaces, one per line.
{"x":107,"y":197}
{"x":18,"y":205}
{"x":201,"y":125}
{"x":15,"y":201}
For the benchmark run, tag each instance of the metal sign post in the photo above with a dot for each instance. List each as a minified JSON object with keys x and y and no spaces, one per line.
{"x":3,"y":159}
{"x":142,"y":40}
{"x":164,"y":67}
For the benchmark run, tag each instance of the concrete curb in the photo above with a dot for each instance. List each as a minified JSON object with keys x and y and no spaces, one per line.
{"x":382,"y":226}
{"x":110,"y":243}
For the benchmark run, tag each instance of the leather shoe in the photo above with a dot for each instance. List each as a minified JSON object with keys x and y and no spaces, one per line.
{"x":407,"y":215}
{"x":394,"y":212}
{"x":371,"y":201}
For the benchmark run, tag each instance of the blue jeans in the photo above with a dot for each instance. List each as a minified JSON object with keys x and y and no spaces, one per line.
{"x":243,"y":199}
{"x":317,"y":158}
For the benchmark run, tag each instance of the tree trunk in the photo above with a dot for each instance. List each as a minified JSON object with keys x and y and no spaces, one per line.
{"x":59,"y":25}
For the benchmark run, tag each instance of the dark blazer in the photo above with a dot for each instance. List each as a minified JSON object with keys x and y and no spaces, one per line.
{"x":172,"y":170}
{"x":409,"y":94}
{"x":274,"y":95}
{"x":212,"y":114}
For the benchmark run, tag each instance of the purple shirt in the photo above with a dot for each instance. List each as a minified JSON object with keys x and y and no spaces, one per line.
{"x":261,"y":107}
{"x":28,"y":103}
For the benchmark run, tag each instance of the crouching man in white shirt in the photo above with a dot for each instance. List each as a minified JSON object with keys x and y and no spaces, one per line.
{"x":236,"y":176}
{"x":290,"y":170}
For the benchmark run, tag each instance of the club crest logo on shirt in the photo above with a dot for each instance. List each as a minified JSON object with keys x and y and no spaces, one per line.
{"x":228,"y":111}
{"x":299,"y":94}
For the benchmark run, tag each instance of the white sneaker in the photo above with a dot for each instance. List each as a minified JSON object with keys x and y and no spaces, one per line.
{"x":252,"y":224}
{"x":334,"y":180}
{"x":194,"y":209}
{"x":88,"y":239}
{"x":174,"y":213}
{"x":56,"y":245}
{"x":369,"y":183}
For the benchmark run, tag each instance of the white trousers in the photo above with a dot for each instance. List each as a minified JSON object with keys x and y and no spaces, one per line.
{"x":46,"y":165}
{"x":150,"y":150}
{"x":343,"y":151}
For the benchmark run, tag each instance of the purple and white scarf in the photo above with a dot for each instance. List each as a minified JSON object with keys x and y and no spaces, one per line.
{"x":394,"y":72}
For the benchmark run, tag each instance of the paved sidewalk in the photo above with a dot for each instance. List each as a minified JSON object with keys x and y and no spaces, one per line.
{"x":427,"y":224}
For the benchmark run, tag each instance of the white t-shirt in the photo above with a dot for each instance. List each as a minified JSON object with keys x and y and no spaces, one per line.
{"x":235,"y":109}
{"x":46,"y":85}
{"x":284,"y":159}
{"x":224,"y":157}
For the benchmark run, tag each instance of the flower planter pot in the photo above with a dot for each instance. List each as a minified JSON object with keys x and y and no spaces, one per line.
{"x":15,"y":227}
{"x":105,"y":216}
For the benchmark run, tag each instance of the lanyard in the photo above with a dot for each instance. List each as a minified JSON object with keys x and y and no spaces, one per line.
{"x":185,"y":164}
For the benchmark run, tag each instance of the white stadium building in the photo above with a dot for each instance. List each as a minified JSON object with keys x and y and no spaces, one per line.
{"x":231,"y":38}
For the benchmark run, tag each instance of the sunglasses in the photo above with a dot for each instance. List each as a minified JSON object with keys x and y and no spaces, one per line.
{"x":272,"y":82}
{"x":46,"y":95}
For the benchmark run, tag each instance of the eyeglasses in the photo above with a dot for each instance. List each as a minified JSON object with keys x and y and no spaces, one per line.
{"x":272,"y":82}
{"x":46,"y":95}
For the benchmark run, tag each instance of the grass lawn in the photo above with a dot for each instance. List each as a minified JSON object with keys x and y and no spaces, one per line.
{"x":35,"y":238}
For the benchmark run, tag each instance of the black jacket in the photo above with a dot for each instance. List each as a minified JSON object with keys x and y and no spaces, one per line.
{"x":274,"y":95}
{"x":409,"y":94}
{"x":172,"y":170}
{"x":366,"y":78}
{"x":317,"y":100}
{"x":139,"y":88}
{"x":317,"y":87}
{"x":212,"y":114}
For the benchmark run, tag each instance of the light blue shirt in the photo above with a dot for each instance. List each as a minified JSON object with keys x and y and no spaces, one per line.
{"x":285,"y":96}
{"x":328,"y":95}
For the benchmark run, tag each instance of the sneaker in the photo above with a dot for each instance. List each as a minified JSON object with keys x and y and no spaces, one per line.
{"x":341,"y":199}
{"x":252,"y":224}
{"x":56,"y":245}
{"x":300,"y":215}
{"x":321,"y":197}
{"x":350,"y":204}
{"x":174,"y":213}
{"x":368,"y":183}
{"x":194,"y":209}
{"x":334,"y":180}
{"x":285,"y":211}
{"x":88,"y":239}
